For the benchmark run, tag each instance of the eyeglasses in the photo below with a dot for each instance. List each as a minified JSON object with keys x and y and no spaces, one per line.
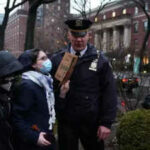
{"x":42,"y":58}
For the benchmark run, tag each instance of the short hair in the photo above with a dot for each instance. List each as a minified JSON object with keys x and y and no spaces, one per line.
{"x":34,"y":55}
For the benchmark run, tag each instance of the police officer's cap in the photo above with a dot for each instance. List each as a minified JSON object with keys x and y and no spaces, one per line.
{"x":78,"y":27}
{"x":9,"y":64}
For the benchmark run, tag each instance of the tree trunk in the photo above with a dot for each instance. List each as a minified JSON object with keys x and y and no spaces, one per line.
{"x":29,"y":42}
{"x":2,"y":37}
{"x":3,"y":28}
{"x":143,"y":48}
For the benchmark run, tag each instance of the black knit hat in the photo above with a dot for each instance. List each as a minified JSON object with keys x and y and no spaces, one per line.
{"x":28,"y":58}
{"x":9,"y":64}
{"x":78,"y":27}
{"x":25,"y":59}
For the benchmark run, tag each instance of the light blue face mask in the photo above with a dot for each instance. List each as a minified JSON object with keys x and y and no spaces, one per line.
{"x":46,"y":66}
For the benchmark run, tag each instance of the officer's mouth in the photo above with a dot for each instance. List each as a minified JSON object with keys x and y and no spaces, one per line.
{"x":79,"y":44}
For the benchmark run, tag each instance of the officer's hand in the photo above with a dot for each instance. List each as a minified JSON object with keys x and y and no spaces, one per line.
{"x":64,"y":89}
{"x":103,"y":132}
{"x":42,"y":141}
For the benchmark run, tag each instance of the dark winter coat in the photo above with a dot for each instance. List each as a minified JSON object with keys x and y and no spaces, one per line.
{"x":5,"y":128}
{"x":92,"y":95}
{"x":29,"y":108}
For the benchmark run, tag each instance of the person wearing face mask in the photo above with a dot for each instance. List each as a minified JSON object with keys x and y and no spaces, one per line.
{"x":9,"y":68}
{"x":33,"y":114}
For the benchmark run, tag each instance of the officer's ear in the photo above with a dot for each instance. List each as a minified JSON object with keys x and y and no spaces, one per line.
{"x":89,"y":34}
{"x":69,"y":35}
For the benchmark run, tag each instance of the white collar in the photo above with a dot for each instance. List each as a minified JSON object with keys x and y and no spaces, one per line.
{"x":72,"y":51}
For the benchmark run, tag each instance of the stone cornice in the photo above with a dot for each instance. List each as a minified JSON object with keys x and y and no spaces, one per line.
{"x":110,"y":23}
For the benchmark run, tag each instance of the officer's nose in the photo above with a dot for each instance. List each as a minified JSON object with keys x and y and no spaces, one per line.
{"x":79,"y":38}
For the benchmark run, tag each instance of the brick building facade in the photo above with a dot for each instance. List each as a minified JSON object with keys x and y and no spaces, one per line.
{"x":120,"y":26}
{"x":51,"y":31}
{"x":15,"y":32}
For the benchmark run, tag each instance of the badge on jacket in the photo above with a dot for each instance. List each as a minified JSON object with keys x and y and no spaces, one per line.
{"x":93,"y":65}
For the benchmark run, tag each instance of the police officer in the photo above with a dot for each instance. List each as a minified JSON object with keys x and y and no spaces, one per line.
{"x":9,"y":66}
{"x":89,"y":108}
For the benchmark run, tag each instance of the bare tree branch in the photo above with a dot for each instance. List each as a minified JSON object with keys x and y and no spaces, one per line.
{"x":101,"y":7}
{"x":140,"y":3}
{"x":13,"y":3}
{"x":84,"y":5}
{"x":48,"y":1}
{"x":78,"y":5}
{"x":33,"y":6}
{"x":8,"y":9}
{"x":85,"y":9}
{"x":18,"y":4}
{"x":80,"y":11}
{"x":7,"y":5}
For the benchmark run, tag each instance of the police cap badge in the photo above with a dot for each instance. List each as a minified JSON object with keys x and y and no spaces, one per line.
{"x":78,"y":27}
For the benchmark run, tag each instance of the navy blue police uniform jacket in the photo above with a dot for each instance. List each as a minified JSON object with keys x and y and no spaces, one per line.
{"x":29,"y":114}
{"x":92,"y":95}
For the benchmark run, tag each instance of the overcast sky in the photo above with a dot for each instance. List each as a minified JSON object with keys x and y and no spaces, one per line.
{"x":91,"y":4}
{"x":3,"y":4}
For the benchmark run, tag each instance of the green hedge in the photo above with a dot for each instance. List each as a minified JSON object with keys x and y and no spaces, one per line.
{"x":133,"y":132}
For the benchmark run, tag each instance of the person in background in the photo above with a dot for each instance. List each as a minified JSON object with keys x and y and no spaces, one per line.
{"x":33,"y":113}
{"x":89,"y":108}
{"x":10,"y":67}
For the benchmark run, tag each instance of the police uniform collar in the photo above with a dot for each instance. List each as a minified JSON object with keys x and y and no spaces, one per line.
{"x":72,"y":51}
{"x":91,"y":50}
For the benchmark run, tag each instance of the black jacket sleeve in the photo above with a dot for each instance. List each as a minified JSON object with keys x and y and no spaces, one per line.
{"x":108,"y":102}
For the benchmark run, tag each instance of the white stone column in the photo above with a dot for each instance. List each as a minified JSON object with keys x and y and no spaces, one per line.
{"x":115,"y":38}
{"x":127,"y":36}
{"x":96,"y":40}
{"x":105,"y":40}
